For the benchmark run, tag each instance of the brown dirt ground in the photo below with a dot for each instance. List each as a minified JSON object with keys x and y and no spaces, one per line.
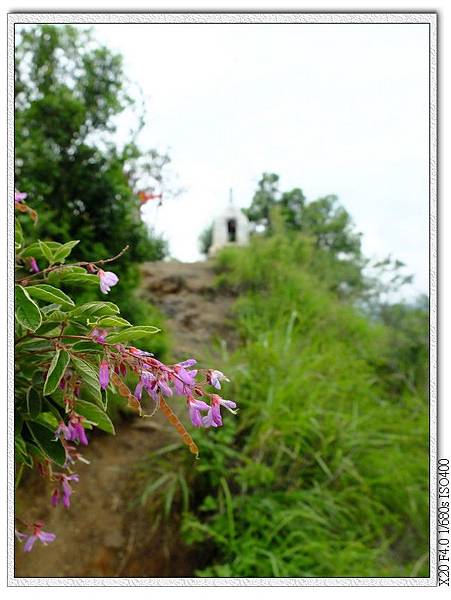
{"x":102,"y":535}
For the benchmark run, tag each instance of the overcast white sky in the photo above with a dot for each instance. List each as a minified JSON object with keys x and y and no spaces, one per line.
{"x":337,"y":109}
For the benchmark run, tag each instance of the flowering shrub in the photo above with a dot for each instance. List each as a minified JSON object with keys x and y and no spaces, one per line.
{"x":70,"y":356}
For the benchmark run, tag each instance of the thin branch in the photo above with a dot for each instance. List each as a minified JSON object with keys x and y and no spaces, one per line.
{"x":103,"y":261}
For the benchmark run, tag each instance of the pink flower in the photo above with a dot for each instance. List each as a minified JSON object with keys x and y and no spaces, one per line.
{"x":67,"y":490}
{"x":19,"y":196}
{"x":73,"y":431}
{"x":20,"y":536}
{"x":214,"y":377}
{"x":34,"y":268}
{"x":78,"y":431}
{"x":213,"y":417}
{"x":104,"y":374}
{"x":152,"y":384}
{"x":55,"y":497}
{"x":44,"y":536}
{"x":184,"y":380}
{"x":66,"y":493}
{"x":194,"y":408}
{"x":99,"y":335}
{"x":72,"y":455}
{"x":107,"y":280}
{"x":64,"y":430}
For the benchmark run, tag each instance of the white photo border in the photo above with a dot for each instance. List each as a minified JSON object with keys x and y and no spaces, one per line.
{"x":429,"y":18}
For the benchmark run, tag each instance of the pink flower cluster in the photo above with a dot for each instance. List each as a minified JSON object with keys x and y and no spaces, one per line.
{"x":158,"y":379}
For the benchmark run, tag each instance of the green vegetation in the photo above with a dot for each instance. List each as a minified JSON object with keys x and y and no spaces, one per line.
{"x":338,"y":253}
{"x":325,"y":471}
{"x":83,"y":184}
{"x":206,"y":239}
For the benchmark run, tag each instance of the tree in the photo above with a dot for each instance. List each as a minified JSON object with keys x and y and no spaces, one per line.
{"x":68,"y":91}
{"x":337,"y":245}
{"x":264,"y":199}
{"x":325,"y":221}
{"x":206,"y":239}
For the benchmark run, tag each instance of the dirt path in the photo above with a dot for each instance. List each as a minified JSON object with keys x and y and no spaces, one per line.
{"x":102,"y":535}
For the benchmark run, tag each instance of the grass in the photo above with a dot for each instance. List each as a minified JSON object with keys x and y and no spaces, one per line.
{"x":324,"y":471}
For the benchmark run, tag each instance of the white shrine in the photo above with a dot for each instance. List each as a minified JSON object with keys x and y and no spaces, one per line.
{"x":230,"y":228}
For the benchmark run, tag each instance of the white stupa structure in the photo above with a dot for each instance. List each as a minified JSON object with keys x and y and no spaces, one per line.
{"x":230,"y":228}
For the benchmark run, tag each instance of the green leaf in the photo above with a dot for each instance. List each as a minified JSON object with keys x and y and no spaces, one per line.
{"x":47,"y":327}
{"x":80,"y":279}
{"x":56,"y":371}
{"x":57,"y":316}
{"x":33,"y":402}
{"x":18,"y":234}
{"x":59,"y":274}
{"x":90,"y":379}
{"x":18,"y":422}
{"x":21,"y":454}
{"x":35,"y":450}
{"x":46,"y":251}
{"x":100,"y":309}
{"x":86,"y":347}
{"x":27,"y":311}
{"x":49,"y":308}
{"x":113,"y":321}
{"x":32,"y":344}
{"x":50,"y":294}
{"x":35,"y":249}
{"x":49,"y":420}
{"x":45,"y":439}
{"x":58,"y":397}
{"x":96,"y":415}
{"x":63,"y":252}
{"x":132,"y":333}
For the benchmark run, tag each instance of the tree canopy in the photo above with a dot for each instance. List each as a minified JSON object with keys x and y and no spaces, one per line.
{"x":68,"y":91}
{"x":336,"y":244}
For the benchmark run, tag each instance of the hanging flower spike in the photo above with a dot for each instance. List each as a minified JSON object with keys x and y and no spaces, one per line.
{"x":194,"y":408}
{"x":44,"y":536}
{"x":19,"y":196}
{"x":104,"y":374}
{"x":214,"y":377}
{"x":107,"y":280}
{"x":213,"y":417}
{"x":34,"y":268}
